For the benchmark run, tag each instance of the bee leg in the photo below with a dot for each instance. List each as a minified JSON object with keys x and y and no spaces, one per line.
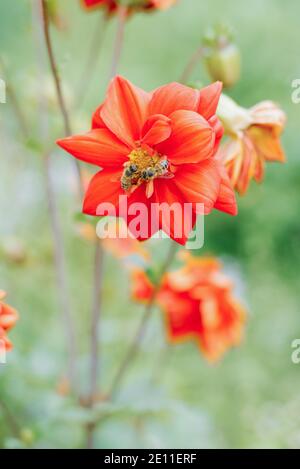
{"x":149,"y":189}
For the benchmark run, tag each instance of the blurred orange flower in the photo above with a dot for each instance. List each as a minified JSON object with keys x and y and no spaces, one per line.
{"x":254,"y":138}
{"x":8,"y":319}
{"x":112,"y":5}
{"x":198,"y":303}
{"x":121,"y":247}
{"x":126,"y":246}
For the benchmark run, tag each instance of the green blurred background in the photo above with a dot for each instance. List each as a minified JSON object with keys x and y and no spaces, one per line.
{"x":170,"y":398}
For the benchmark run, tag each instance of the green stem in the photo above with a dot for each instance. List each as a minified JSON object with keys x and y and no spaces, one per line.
{"x":186,"y":74}
{"x":56,"y":78}
{"x":142,"y":327}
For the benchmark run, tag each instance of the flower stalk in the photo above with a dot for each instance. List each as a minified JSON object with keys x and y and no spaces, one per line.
{"x":187,"y":72}
{"x":142,"y":327}
{"x":122,"y":15}
{"x":93,"y":54}
{"x":56,"y":228}
{"x":58,"y":87}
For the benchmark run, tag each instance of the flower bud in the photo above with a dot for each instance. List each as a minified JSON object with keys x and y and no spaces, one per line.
{"x":27,"y":436}
{"x":55,"y":15}
{"x":223,"y":60}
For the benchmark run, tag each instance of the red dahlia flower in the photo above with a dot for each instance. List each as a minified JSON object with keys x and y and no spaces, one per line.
{"x":8,"y":318}
{"x":112,"y":5}
{"x":198,"y":304}
{"x":155,"y":148}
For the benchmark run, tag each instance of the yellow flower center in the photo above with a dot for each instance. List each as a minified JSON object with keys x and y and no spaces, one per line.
{"x":142,"y":159}
{"x":143,"y":167}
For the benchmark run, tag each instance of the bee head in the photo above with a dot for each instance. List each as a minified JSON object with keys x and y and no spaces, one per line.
{"x":133,"y":168}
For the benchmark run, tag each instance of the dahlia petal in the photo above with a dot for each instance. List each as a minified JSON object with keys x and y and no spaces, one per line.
{"x":142,"y":287}
{"x":248,"y":165}
{"x":139,"y":216}
{"x":192,"y":139}
{"x":97,"y":121}
{"x":267,"y":143}
{"x":182,"y":316}
{"x":125,"y":110}
{"x":173,"y":97}
{"x":209,"y":99}
{"x":176,"y":220}
{"x":259,"y":170}
{"x":226,"y":201}
{"x":103,"y":188}
{"x":200,"y":183}
{"x":8,"y":317}
{"x":99,"y":147}
{"x":156,"y":129}
{"x":162,"y":4}
{"x":217,"y":126}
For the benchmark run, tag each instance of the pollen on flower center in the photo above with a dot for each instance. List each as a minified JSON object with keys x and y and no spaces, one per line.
{"x":143,"y":159}
{"x":143,"y":167}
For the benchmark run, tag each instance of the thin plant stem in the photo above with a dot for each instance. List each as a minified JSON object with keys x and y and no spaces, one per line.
{"x":142,"y":327}
{"x":186,"y":74}
{"x":13,"y":99}
{"x":10,"y":419}
{"x":92,"y":57}
{"x":56,"y":228}
{"x":95,"y":320}
{"x":122,"y":15}
{"x":61,"y":273}
{"x":58,"y":87}
{"x":98,"y":263}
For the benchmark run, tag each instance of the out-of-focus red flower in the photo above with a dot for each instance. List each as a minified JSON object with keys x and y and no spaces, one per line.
{"x":254,"y":139}
{"x":112,"y":5}
{"x":8,"y":319}
{"x":199,"y":305}
{"x":126,"y":246}
{"x":142,"y":287}
{"x":155,"y":148}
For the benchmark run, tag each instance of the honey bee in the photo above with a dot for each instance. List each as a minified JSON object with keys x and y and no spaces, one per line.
{"x":132,"y":176}
{"x":162,"y":167}
{"x":159,"y":170}
{"x":128,"y":176}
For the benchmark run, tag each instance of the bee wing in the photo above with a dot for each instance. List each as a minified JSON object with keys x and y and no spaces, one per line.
{"x":167,"y":175}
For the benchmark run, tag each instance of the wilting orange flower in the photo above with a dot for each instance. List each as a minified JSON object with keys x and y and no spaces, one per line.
{"x":155,"y":148}
{"x":112,"y":5}
{"x":8,"y":318}
{"x":254,"y":139}
{"x":198,"y":304}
